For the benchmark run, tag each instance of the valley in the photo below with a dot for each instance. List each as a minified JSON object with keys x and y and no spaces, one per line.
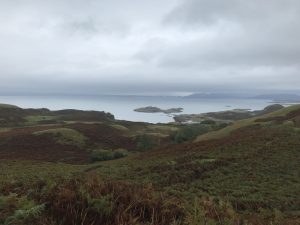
{"x":86,"y":166}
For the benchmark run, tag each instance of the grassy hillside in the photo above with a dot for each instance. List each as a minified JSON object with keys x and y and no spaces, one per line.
{"x":72,"y":136}
{"x":13,"y":116}
{"x":247,"y":122}
{"x":253,"y":170}
{"x":7,"y":106}
{"x":247,"y":173}
{"x":65,"y":136}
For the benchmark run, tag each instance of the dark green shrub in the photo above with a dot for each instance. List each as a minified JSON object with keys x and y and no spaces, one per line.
{"x":120,"y":153}
{"x":104,"y":155}
{"x":208,"y":122}
{"x":190,"y":132}
{"x":223,"y":125}
{"x":146,"y":142}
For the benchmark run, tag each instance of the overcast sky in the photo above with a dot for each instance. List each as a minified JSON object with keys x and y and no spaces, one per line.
{"x":149,"y":46}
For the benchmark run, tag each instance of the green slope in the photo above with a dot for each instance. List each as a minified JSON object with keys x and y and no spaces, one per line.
{"x":250,"y":176}
{"x":8,"y":106}
{"x":244,"y":123}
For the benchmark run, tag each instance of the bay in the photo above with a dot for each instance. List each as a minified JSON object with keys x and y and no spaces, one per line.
{"x":122,"y":106}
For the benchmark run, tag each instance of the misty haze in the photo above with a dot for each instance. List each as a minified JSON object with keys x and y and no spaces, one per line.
{"x":130,"y":112}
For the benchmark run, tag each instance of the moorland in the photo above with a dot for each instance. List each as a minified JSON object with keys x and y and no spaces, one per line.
{"x":85,"y":167}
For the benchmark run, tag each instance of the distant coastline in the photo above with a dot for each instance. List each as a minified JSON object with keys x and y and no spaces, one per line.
{"x":123,"y":107}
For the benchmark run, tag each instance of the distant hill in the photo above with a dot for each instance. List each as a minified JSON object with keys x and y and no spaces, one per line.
{"x":272,"y":97}
{"x":11,"y":115}
{"x":213,"y":96}
{"x":280,"y":97}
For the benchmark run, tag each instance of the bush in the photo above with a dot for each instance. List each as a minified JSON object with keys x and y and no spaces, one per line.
{"x":190,"y":132}
{"x":208,"y":122}
{"x":146,"y":142}
{"x":104,"y":155}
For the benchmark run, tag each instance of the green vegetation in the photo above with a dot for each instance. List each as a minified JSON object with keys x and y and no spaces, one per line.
{"x":20,"y":209}
{"x":227,"y":130}
{"x":15,"y":171}
{"x":146,"y":142}
{"x":226,"y":116}
{"x":163,"y":128}
{"x":120,"y":127}
{"x":7,"y":106}
{"x":248,"y":173}
{"x":65,"y":136}
{"x":104,"y":155}
{"x":245,"y":173}
{"x":13,"y":116}
{"x":190,"y":132}
{"x":90,"y":201}
{"x":282,"y":112}
{"x":245,"y":123}
{"x":34,"y":119}
{"x":4,"y":129}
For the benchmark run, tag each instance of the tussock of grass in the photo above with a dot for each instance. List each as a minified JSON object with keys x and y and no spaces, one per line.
{"x":65,"y":136}
{"x":17,"y":210}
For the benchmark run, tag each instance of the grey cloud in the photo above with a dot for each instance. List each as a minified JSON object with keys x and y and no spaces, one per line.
{"x":262,"y":32}
{"x":104,"y":46}
{"x":258,"y":51}
{"x":191,"y":12}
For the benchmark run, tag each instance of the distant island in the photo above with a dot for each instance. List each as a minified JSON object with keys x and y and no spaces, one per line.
{"x":152,"y":109}
{"x":227,"y":116}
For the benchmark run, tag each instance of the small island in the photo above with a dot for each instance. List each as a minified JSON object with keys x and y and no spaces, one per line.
{"x":152,"y":109}
{"x":227,"y":116}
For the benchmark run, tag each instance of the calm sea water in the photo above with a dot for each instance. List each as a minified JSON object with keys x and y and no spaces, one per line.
{"x":122,"y":106}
